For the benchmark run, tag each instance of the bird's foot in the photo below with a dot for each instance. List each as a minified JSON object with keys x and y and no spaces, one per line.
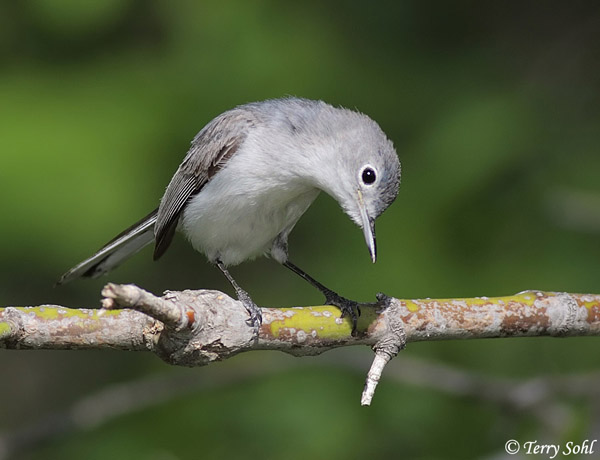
{"x":348,"y":307}
{"x":253,"y":310}
{"x":383,"y":299}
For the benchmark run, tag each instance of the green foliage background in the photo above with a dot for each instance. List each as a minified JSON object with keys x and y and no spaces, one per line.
{"x":493,"y":108}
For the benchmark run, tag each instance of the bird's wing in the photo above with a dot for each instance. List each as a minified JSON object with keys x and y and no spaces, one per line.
{"x":210,"y":150}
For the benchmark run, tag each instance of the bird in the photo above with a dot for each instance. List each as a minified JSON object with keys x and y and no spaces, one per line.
{"x":248,"y":177}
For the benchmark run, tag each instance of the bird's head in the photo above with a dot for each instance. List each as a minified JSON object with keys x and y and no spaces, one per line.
{"x":368,"y":174}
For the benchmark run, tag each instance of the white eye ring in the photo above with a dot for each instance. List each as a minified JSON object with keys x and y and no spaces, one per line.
{"x":367,"y":175}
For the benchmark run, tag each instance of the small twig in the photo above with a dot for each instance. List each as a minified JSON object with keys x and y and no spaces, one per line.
{"x":131,"y":296}
{"x":387,"y":347}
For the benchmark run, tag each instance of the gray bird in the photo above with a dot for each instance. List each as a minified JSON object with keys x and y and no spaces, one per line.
{"x":248,"y":177}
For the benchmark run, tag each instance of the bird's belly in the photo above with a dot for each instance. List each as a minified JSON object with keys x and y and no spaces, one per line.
{"x":233,"y":223}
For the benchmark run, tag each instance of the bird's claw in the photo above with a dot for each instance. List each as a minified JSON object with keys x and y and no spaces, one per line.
{"x":383,"y":299}
{"x":253,"y":310}
{"x":348,"y":307}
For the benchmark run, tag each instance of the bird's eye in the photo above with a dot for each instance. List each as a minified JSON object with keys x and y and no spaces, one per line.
{"x":368,"y":175}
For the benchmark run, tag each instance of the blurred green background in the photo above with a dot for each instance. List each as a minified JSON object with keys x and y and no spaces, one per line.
{"x":494,"y":111}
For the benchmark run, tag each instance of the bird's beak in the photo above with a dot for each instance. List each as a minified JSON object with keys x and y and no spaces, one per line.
{"x":368,"y":226}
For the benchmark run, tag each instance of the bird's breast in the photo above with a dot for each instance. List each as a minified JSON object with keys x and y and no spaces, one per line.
{"x":236,"y":216}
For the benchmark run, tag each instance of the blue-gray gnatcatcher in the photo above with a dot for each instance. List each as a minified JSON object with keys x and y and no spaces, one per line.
{"x":248,"y":177}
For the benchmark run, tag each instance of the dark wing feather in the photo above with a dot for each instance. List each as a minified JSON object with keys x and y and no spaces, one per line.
{"x":209,"y":152}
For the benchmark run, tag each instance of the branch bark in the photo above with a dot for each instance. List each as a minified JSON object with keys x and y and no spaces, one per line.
{"x":195,"y":328}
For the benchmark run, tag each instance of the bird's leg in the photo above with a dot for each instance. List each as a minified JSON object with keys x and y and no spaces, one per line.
{"x":348,"y":307}
{"x":244,"y":297}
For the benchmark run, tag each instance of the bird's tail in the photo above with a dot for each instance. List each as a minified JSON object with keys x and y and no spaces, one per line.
{"x":122,"y":247}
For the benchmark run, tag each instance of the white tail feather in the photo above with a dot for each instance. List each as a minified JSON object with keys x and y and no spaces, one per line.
{"x":115,"y":252}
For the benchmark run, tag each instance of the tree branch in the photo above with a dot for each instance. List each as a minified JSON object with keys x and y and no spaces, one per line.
{"x":195,"y":328}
